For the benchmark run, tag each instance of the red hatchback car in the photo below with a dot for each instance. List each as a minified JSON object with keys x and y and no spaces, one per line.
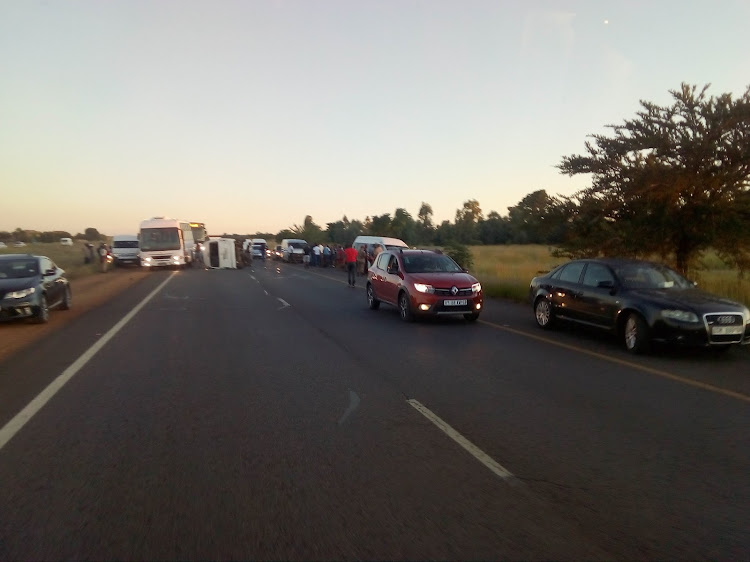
{"x":423,"y":283}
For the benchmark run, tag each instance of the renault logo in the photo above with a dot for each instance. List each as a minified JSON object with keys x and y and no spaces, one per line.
{"x":454,"y":290}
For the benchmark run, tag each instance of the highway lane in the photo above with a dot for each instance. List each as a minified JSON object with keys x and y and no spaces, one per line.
{"x":263,"y":414}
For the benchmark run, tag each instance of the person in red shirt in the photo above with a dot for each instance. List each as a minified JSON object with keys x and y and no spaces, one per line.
{"x":350,"y":255}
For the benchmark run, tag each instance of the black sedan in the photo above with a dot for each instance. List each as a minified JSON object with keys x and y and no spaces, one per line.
{"x":640,"y":301}
{"x":30,"y":286}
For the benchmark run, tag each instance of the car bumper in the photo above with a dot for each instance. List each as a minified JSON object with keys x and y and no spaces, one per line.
{"x":12,"y":309}
{"x":695,"y":335}
{"x":431,"y":305}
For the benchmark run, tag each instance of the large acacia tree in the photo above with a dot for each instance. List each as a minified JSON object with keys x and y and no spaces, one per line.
{"x":674,"y":181}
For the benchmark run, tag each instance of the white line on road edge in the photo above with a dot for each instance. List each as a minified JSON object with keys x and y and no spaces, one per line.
{"x":20,"y":419}
{"x":284,"y":304}
{"x":475,"y":451}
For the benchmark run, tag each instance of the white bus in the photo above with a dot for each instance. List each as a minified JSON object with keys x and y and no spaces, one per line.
{"x":166,"y":243}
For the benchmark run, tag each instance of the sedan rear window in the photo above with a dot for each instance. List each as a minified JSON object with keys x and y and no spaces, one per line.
{"x":125,"y":244}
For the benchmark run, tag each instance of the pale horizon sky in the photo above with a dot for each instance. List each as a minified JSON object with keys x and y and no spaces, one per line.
{"x":249,"y":115}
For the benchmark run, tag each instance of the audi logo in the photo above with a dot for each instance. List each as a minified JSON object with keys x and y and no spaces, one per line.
{"x":725,"y":320}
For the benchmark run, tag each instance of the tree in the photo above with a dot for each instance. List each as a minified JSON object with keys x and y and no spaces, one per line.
{"x":671,"y":182}
{"x":403,"y":226}
{"x":424,"y":227}
{"x":92,"y":234}
{"x":467,"y":218}
{"x":309,"y":231}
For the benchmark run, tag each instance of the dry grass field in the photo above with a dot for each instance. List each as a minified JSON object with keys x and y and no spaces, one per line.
{"x":505,"y":271}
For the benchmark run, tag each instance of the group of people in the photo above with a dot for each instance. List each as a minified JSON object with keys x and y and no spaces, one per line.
{"x":320,"y":255}
{"x":101,"y":255}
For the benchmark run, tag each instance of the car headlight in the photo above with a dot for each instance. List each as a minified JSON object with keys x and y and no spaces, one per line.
{"x":746,"y":315}
{"x":680,"y":315}
{"x":476,"y":288}
{"x":22,"y":294}
{"x":422,"y":288}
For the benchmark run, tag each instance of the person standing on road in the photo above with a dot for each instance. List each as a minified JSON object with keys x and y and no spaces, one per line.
{"x":350,"y":256}
{"x":103,"y":254}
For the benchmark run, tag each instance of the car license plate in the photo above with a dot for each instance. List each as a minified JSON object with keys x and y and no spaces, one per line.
{"x":458,"y":302}
{"x":726,"y":330}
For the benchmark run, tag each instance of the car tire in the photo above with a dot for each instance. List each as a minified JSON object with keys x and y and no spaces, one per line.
{"x":471,"y":317}
{"x":372,"y":301}
{"x":635,"y":334}
{"x":543,"y":314}
{"x":67,"y":299}
{"x":42,"y":315}
{"x":404,"y":308}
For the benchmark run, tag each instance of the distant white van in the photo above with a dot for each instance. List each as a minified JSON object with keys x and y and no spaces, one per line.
{"x":125,"y":249}
{"x":293,"y":249}
{"x":383,"y":242}
{"x":66,"y":241}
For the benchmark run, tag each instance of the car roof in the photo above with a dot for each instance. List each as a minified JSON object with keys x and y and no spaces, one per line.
{"x":17,"y":256}
{"x":615,"y":261}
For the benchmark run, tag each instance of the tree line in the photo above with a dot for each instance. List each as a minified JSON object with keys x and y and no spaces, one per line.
{"x":672,"y":182}
{"x":29,"y":236}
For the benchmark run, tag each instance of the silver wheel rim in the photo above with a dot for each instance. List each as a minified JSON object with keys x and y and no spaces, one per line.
{"x":45,"y":309}
{"x":631,"y":333}
{"x":403,"y":306}
{"x":370,"y":296}
{"x":542,"y":313}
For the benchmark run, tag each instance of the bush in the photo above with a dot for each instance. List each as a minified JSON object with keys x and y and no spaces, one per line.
{"x":460,"y":253}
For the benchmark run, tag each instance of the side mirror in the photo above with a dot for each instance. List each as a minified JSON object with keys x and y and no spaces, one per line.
{"x":50,"y":272}
{"x":465,"y":270}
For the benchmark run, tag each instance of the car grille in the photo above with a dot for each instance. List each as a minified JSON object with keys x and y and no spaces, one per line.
{"x":447,"y":292}
{"x":728,"y":319}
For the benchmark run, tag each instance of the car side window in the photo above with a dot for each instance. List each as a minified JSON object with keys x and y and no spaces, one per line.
{"x":572,"y":272}
{"x":393,"y":265}
{"x":46,"y":264}
{"x":595,"y":274}
{"x":382,"y":262}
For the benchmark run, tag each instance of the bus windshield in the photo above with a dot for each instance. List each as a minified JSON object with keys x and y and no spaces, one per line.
{"x":160,"y":239}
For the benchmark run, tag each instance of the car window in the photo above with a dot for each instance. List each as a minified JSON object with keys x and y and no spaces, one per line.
{"x":572,"y":272}
{"x":18,"y":269}
{"x":125,"y":244}
{"x":595,"y":274}
{"x":382,"y":261}
{"x":393,"y":263}
{"x":430,"y":263}
{"x":648,"y":276}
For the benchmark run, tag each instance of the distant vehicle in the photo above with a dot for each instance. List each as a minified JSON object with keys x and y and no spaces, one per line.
{"x":221,"y":253}
{"x":259,"y":248}
{"x":293,"y":249}
{"x":278,"y":253}
{"x":166,"y":242}
{"x":640,"y":301}
{"x":423,"y":283}
{"x":200,"y":235}
{"x":372,"y":242}
{"x":30,"y":286}
{"x":125,"y":249}
{"x":19,"y":244}
{"x":3,"y":245}
{"x":66,"y":241}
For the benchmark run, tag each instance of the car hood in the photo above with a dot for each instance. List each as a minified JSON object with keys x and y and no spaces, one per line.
{"x":443,"y":280}
{"x":7,"y":285}
{"x":694,"y":299}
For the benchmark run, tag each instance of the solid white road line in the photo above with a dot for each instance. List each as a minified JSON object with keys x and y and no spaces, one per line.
{"x":475,"y":451}
{"x":20,"y":419}
{"x":284,"y":304}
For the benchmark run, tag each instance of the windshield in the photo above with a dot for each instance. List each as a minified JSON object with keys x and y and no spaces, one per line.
{"x":430,"y":264}
{"x":125,"y":244}
{"x":160,"y":239}
{"x":648,"y":276}
{"x":18,"y":269}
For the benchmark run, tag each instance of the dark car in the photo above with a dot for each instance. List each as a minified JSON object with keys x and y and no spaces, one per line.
{"x":640,"y":301}
{"x":259,"y":251}
{"x":423,"y":283}
{"x":30,"y":286}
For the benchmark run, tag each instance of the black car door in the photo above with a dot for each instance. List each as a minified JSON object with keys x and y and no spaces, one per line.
{"x":565,"y":290}
{"x":597,"y":301}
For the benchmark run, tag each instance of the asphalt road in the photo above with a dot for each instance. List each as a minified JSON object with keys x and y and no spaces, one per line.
{"x":268,"y":414}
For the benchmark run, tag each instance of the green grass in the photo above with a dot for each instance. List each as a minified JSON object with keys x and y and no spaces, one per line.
{"x":505,"y":271}
{"x":70,"y":258}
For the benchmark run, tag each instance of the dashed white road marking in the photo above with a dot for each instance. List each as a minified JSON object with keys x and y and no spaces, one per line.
{"x":284,"y":304}
{"x":475,"y":451}
{"x":20,"y":419}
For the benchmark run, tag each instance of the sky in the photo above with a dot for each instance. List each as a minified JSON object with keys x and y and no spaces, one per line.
{"x":249,"y":115}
